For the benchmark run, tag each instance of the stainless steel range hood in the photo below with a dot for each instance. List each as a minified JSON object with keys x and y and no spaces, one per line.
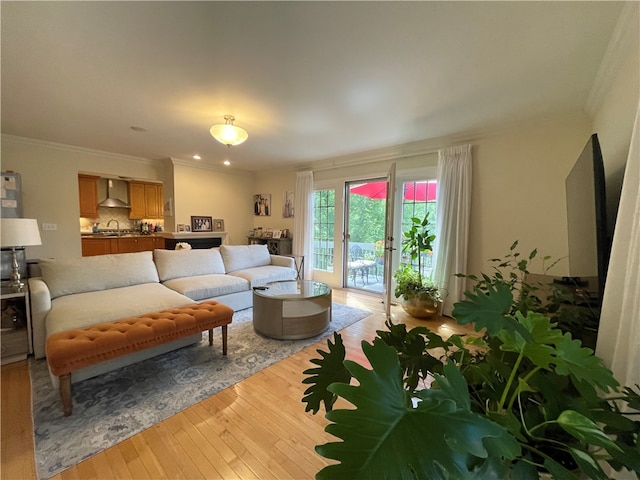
{"x":113,"y":202}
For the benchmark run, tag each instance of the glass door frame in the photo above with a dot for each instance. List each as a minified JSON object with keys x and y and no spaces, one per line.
{"x":335,"y":278}
{"x":346,"y":249}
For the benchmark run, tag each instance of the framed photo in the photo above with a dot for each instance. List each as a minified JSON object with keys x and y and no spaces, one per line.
{"x":201,"y":224}
{"x":218,"y":225}
{"x":187,"y":228}
{"x":180,"y":227}
{"x":277,"y":233}
{"x":262,"y":204}
{"x":287,"y":204}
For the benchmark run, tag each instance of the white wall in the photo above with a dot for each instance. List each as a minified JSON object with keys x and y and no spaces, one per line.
{"x":518,"y":186}
{"x":274,"y":183}
{"x":518,"y":190}
{"x":200,"y":191}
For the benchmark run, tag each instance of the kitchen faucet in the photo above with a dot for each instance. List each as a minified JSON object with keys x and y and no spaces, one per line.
{"x":117,"y":225}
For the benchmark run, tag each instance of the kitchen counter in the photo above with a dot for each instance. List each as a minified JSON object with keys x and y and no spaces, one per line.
{"x":118,"y":235}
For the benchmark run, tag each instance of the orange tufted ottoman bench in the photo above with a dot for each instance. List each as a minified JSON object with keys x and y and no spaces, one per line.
{"x":74,"y":349}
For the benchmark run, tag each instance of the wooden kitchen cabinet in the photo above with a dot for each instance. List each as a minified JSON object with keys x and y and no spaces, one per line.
{"x":127,"y":244}
{"x":137,"y":200}
{"x":98,"y":246}
{"x":146,"y":200}
{"x":146,"y":244}
{"x":130,"y":244}
{"x":153,"y":199}
{"x":88,"y":190}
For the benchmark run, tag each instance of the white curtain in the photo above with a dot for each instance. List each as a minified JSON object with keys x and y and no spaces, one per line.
{"x":619,"y":333}
{"x":452,"y":221}
{"x":303,"y":221}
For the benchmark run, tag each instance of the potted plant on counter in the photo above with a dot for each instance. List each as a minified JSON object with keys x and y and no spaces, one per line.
{"x":518,"y":398}
{"x":420,"y":297}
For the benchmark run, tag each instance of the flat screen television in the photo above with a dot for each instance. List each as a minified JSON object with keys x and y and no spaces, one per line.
{"x":589,"y":236}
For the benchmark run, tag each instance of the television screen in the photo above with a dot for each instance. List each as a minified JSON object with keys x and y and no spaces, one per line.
{"x":589,"y":239}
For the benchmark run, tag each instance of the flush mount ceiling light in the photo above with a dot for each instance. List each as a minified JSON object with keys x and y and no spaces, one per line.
{"x":228,"y":133}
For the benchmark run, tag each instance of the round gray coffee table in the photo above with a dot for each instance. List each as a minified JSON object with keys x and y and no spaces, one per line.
{"x":292,"y":309}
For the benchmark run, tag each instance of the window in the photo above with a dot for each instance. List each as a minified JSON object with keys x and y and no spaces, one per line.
{"x":323,"y":229}
{"x":418,"y":198}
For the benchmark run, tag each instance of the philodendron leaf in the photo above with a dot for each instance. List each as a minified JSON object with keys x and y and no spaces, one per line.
{"x":486,"y":309}
{"x":385,"y":436}
{"x":585,"y":430}
{"x":538,"y":346}
{"x":330,"y":370}
{"x":574,"y":359}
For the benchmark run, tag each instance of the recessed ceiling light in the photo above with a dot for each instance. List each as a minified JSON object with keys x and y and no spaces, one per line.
{"x":138,"y":129}
{"x":227,"y":162}
{"x":197,"y":157}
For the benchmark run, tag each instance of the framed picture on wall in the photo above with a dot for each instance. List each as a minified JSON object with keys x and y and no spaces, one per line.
{"x":218,"y":225}
{"x":287,"y":204}
{"x":201,"y":224}
{"x":262,"y":204}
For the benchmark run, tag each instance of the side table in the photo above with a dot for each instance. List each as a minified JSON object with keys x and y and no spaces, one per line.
{"x":15,"y":333}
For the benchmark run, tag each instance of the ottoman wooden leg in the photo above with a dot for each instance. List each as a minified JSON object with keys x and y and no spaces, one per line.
{"x":65,"y":394}
{"x":224,"y":339}
{"x":210,"y":336}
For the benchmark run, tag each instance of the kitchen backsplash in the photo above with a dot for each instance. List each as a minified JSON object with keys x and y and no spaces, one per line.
{"x":119,"y":214}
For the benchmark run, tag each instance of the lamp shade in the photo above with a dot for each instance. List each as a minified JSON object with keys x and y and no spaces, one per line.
{"x":228,"y":133}
{"x":19,"y":232}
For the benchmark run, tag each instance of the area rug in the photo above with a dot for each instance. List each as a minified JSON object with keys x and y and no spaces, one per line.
{"x":117,"y":405}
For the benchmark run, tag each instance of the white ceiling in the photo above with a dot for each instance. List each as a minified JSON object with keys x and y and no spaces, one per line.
{"x":307,"y":80}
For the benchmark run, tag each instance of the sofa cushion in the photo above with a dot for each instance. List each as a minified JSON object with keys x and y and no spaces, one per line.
{"x":261,"y":275}
{"x":89,"y":308}
{"x":187,"y":263}
{"x":101,"y":272}
{"x":240,"y":257}
{"x":203,"y":287}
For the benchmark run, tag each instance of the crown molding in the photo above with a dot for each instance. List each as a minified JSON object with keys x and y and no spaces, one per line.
{"x":207,"y":166}
{"x":74,"y":148}
{"x":395,"y":152}
{"x":620,"y":44}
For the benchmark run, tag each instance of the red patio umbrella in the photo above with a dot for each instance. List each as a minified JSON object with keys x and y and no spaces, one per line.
{"x":413,"y":191}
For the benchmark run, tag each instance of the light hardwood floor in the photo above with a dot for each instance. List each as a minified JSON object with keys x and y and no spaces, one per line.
{"x":253,"y":430}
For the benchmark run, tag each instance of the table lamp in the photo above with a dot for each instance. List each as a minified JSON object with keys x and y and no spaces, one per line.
{"x":15,"y":233}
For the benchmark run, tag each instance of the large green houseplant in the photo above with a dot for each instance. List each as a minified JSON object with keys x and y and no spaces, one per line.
{"x":518,"y":398}
{"x":420,"y":297}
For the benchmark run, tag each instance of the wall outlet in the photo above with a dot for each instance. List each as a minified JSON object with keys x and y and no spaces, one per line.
{"x":49,"y":226}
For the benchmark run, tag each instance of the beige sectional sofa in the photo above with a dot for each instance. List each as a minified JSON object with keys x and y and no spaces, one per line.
{"x":79,"y":292}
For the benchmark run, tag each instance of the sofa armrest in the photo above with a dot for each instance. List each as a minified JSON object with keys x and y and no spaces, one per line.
{"x":282,"y":261}
{"x":40,"y":307}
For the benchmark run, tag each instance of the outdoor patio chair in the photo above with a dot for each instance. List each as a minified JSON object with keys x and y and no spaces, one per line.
{"x":358,"y":265}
